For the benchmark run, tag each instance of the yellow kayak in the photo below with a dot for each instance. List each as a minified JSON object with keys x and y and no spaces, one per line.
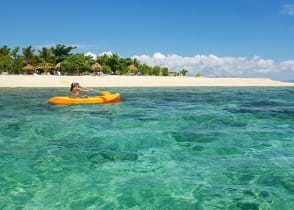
{"x":105,"y":98}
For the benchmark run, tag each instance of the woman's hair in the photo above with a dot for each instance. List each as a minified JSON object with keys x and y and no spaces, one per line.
{"x":73,"y":85}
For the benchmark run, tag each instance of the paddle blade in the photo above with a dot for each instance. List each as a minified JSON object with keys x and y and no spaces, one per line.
{"x":105,"y":93}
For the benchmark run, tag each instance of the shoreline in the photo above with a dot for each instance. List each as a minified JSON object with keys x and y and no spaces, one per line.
{"x":13,"y":81}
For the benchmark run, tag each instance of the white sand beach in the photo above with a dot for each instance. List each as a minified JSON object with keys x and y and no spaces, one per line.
{"x":134,"y":81}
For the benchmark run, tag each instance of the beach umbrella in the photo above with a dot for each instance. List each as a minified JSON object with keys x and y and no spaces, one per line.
{"x":29,"y":68}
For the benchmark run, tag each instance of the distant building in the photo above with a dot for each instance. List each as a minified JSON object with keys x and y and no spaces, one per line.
{"x":173,"y":73}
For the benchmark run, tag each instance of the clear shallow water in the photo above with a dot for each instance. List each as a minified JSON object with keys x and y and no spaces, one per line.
{"x":176,"y":148}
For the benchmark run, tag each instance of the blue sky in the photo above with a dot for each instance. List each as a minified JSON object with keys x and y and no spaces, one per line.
{"x":186,"y":28}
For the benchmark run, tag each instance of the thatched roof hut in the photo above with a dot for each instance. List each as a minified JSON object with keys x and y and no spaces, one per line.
{"x":96,"y":67}
{"x":132,"y":68}
{"x":28,"y":68}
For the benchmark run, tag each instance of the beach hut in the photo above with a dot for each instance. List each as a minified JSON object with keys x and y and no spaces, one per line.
{"x":131,"y":68}
{"x":29,"y":68}
{"x":96,"y":67}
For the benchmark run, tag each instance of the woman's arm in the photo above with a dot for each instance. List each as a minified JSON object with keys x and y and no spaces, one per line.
{"x":84,"y":90}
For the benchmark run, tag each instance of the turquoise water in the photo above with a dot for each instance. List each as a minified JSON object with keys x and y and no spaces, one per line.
{"x":176,"y":148}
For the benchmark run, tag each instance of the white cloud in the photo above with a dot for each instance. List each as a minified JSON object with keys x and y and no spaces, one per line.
{"x":108,"y":53}
{"x":93,"y":55}
{"x":288,"y":9}
{"x":159,"y":56}
{"x":214,"y":66}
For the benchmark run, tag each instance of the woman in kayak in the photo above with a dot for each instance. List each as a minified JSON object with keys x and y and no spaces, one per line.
{"x":75,"y":88}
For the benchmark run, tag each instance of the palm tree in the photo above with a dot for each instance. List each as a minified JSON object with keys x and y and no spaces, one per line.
{"x":17,"y":61}
{"x":183,"y":72}
{"x":61,"y":52}
{"x":4,"y":50}
{"x":114,"y":62}
{"x":47,"y":59}
{"x":29,"y":56}
{"x":4,"y":58}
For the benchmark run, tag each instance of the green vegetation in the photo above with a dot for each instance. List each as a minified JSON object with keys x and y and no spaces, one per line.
{"x":198,"y":74}
{"x":60,"y":59}
{"x":183,"y":72}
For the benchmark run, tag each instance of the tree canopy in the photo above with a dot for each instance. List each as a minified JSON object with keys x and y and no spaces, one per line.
{"x":61,"y":58}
